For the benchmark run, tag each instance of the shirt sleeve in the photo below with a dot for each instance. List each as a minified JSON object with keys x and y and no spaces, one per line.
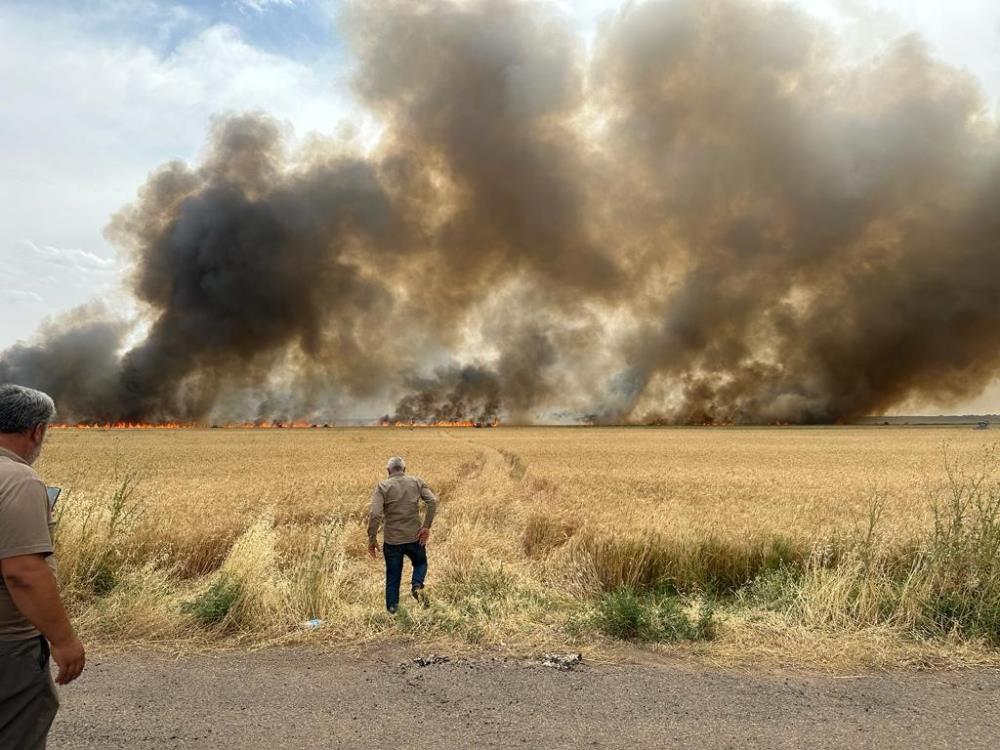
{"x":375,"y":513}
{"x":430,"y":500}
{"x":24,"y":520}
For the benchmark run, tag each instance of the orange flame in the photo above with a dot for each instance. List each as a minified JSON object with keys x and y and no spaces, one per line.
{"x":258,"y":425}
{"x":261,"y":425}
{"x":441,"y":423}
{"x":124,"y":426}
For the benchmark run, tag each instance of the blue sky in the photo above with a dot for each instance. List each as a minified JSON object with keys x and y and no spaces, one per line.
{"x":304,"y":31}
{"x":300,"y":29}
{"x":96,"y":93}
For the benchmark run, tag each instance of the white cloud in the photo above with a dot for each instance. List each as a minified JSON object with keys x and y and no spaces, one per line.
{"x":79,"y":261}
{"x":260,"y":5}
{"x":43,"y":279}
{"x":86,"y":117}
{"x":19,"y":295}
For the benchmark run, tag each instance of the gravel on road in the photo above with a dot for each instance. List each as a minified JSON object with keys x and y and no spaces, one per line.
{"x":296,"y":698}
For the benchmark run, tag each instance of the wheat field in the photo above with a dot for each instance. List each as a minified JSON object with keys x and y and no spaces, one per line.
{"x":829,"y":547}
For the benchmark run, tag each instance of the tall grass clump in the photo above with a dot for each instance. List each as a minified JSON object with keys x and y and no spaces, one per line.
{"x":212,"y":606}
{"x":544,"y":532}
{"x":651,"y":560}
{"x":249,"y":586}
{"x":276,"y":578}
{"x":650,"y":617}
{"x":942,"y":581}
{"x":482,"y":596}
{"x":144,"y":605}
{"x":95,"y":538}
{"x":318,"y":571}
{"x":959,"y":573}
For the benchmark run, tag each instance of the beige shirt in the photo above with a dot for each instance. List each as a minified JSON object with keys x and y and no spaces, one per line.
{"x":397,"y":501}
{"x":25,"y":529}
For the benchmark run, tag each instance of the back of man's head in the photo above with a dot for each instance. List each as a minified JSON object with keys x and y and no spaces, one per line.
{"x":396,"y":465}
{"x":23,"y":409}
{"x":24,"y":416}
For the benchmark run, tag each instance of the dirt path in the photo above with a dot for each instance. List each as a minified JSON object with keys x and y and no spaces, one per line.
{"x":302,"y":699}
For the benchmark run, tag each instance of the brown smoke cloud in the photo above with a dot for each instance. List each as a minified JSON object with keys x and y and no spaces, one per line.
{"x":711,"y":217}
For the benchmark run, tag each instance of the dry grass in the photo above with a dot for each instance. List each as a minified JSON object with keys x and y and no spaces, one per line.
{"x":828,"y":547}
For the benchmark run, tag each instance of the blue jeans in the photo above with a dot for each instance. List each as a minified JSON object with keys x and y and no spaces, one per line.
{"x":394,"y":554}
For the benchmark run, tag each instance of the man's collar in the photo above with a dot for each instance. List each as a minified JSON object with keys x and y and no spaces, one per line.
{"x":4,"y":453}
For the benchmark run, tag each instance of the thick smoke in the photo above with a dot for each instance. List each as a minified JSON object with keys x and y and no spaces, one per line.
{"x":453,"y":395}
{"x":709,"y":216}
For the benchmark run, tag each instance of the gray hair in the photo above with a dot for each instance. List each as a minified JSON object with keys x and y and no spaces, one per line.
{"x":23,"y":409}
{"x":396,"y":464}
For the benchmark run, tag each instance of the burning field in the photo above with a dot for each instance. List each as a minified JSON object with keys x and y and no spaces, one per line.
{"x":258,"y":425}
{"x":833,"y":547}
{"x":709,"y":214}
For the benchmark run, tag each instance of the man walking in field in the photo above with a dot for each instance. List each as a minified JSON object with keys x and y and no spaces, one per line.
{"x":396,"y":500}
{"x":31,"y":613}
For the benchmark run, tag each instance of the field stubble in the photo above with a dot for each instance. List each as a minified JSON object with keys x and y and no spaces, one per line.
{"x":836,"y":548}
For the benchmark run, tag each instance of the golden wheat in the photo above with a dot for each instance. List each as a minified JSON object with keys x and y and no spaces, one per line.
{"x":232,"y":536}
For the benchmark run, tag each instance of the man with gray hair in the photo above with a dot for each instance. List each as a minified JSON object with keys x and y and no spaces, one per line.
{"x":396,"y":500}
{"x":31,"y":613}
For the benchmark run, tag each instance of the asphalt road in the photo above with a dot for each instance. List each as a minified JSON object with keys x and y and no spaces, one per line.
{"x":301,"y":699}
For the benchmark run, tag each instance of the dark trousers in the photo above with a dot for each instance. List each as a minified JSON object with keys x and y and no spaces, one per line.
{"x":394,"y":554}
{"x":28,"y":700}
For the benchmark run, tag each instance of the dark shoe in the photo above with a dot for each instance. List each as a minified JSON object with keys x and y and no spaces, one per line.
{"x":392,"y":610}
{"x":421,"y":596}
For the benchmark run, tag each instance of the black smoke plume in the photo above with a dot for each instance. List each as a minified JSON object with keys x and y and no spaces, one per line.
{"x":708,"y":216}
{"x":453,"y":395}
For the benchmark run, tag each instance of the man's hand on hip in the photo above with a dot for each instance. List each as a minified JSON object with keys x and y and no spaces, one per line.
{"x":69,"y":656}
{"x":423,"y":536}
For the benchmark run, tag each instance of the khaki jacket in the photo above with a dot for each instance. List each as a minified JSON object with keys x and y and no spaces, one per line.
{"x":396,"y":501}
